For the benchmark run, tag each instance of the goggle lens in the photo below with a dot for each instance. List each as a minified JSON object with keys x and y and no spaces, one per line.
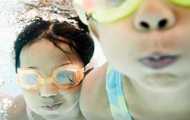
{"x":29,"y":79}
{"x":65,"y":77}
{"x":32,"y":79}
{"x":116,"y":10}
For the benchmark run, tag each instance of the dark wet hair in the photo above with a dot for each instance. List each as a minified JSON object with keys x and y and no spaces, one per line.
{"x":78,"y":38}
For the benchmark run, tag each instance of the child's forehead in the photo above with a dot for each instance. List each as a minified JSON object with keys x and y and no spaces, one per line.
{"x":44,"y":50}
{"x":49,"y":45}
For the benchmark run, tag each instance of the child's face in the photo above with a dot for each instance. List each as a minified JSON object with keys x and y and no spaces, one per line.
{"x":152,"y":43}
{"x":49,"y":99}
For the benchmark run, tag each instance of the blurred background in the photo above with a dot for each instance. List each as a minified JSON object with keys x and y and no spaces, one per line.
{"x":7,"y":36}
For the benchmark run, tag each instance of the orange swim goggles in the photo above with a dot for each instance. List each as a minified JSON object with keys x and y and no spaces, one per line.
{"x":108,"y":11}
{"x":64,"y":78}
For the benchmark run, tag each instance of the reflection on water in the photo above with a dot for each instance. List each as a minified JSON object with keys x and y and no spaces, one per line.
{"x":7,"y":73}
{"x":8,"y":35}
{"x":5,"y":103}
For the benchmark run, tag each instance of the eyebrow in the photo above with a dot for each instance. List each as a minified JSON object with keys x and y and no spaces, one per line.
{"x":57,"y":66}
{"x":32,"y":67}
{"x":60,"y":65}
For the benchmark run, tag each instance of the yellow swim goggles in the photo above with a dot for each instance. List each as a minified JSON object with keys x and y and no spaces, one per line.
{"x":63,"y":78}
{"x":107,"y":11}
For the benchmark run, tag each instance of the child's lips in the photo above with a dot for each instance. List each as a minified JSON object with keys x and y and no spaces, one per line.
{"x":158,"y":60}
{"x":52,"y":107}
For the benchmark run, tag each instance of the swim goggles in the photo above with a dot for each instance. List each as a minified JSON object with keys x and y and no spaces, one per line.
{"x":63,"y":78}
{"x":108,"y":11}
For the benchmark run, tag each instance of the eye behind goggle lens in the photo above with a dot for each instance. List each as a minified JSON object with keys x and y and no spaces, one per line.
{"x":29,"y":79}
{"x":65,"y":77}
{"x":114,"y":3}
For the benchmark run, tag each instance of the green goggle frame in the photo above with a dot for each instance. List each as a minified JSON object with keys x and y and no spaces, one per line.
{"x":115,"y":13}
{"x":185,"y":3}
{"x":109,"y":15}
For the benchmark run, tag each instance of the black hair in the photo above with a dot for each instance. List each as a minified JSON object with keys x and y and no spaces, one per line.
{"x":78,"y":38}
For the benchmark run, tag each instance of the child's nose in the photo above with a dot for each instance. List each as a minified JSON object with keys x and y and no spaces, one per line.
{"x":49,"y":90}
{"x":154,"y":15}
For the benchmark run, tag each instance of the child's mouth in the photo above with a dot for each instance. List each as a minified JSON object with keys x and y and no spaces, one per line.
{"x":52,"y":107}
{"x":158,"y":60}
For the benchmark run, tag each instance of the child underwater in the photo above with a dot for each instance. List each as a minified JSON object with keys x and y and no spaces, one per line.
{"x":146,"y":43}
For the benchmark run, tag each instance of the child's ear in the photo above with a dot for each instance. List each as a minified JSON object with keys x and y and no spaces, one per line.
{"x":84,"y":7}
{"x":93,"y":29}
